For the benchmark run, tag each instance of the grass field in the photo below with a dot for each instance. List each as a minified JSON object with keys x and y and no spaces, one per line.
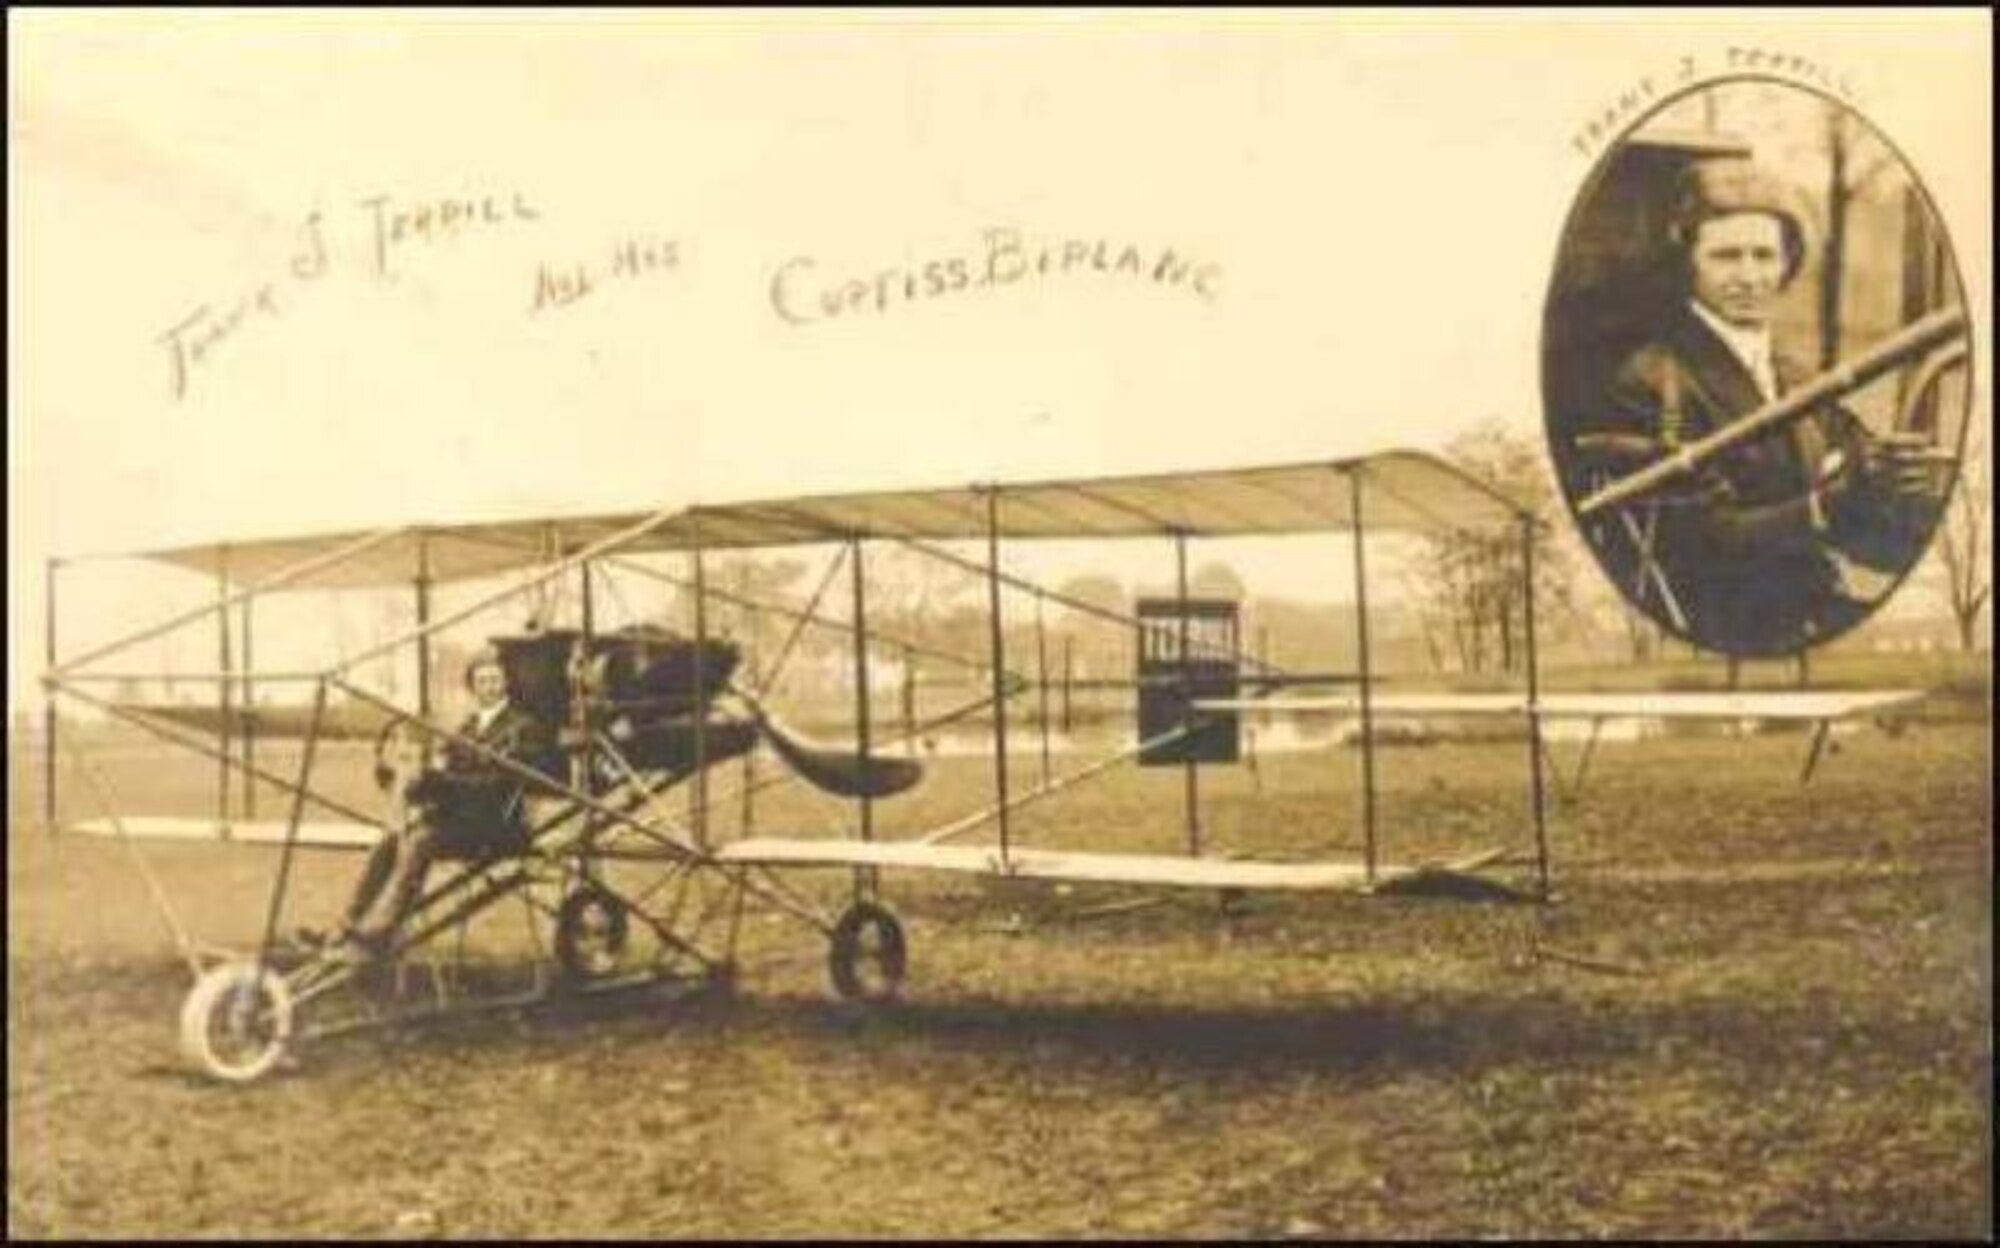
{"x":1758,"y":1009}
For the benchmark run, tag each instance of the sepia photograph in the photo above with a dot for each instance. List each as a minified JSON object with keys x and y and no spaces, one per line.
{"x":1750,"y":258}
{"x":920,"y":624}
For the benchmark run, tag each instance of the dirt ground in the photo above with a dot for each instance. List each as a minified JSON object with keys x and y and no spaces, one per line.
{"x":1757,"y":1010}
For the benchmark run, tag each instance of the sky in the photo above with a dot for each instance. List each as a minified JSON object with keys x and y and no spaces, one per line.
{"x":277,"y":273}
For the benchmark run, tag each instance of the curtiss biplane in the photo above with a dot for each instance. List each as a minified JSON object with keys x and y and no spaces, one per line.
{"x":643,"y":710}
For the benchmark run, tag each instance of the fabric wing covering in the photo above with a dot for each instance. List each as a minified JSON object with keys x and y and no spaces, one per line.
{"x":1400,"y":491}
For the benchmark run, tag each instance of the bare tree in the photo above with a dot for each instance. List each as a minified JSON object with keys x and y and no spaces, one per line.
{"x":1962,"y":545}
{"x":1098,"y":589}
{"x":1099,"y":644}
{"x":751,"y":579}
{"x":1217,"y":579}
{"x":1474,"y":580}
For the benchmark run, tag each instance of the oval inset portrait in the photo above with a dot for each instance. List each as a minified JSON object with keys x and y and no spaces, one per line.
{"x":1755,"y":367}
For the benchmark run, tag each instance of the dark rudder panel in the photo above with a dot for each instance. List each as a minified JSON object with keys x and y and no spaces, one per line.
{"x":1169,"y":682}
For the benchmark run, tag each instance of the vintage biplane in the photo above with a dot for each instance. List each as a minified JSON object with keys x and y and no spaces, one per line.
{"x":637,"y":894}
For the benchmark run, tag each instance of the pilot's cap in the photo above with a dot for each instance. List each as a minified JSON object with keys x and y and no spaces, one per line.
{"x":1725,"y":185}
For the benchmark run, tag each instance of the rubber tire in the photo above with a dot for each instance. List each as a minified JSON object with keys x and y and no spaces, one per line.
{"x":845,"y":952}
{"x":218,"y":990}
{"x":576,"y":963}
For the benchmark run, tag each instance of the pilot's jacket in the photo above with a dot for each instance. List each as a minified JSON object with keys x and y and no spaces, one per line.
{"x":1746,"y":545}
{"x":513,"y":732}
{"x":475,"y":803}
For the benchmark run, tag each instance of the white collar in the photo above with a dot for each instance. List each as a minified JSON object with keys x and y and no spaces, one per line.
{"x":483,"y":718}
{"x":1751,"y":346}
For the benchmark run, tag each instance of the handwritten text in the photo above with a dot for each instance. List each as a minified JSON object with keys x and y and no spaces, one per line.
{"x":1612,"y":118}
{"x":801,"y":295}
{"x":192,"y":340}
{"x":558,"y":287}
{"x":427,"y":221}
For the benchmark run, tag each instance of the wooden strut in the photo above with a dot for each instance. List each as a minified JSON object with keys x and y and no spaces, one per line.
{"x":249,"y":720}
{"x":867,"y":883}
{"x":49,"y":726}
{"x":1042,"y":686}
{"x":422,"y":586}
{"x":698,"y":791}
{"x":1813,"y":751}
{"x":1535,"y":751}
{"x":1191,"y":794}
{"x":909,"y":697}
{"x":223,"y":688}
{"x":285,"y":856}
{"x":1367,"y":678}
{"x":746,"y":818}
{"x":583,"y":772}
{"x":999,"y":659}
{"x":1068,"y":681}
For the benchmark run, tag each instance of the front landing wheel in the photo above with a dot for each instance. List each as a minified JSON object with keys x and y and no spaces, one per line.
{"x":868,"y":954}
{"x":236,"y":1022}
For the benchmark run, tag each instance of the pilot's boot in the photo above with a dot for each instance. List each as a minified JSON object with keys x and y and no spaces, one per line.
{"x":381,"y":866}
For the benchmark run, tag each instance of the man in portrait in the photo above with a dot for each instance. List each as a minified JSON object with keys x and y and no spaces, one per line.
{"x":1764,"y":550}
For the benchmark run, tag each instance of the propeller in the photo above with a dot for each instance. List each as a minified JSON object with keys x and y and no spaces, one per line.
{"x":831,"y":768}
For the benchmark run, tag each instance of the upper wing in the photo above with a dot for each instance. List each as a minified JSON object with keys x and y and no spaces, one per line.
{"x":1408,"y":490}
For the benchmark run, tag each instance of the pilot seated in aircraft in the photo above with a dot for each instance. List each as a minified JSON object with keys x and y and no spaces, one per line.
{"x":1784,"y":539}
{"x":470,"y":808}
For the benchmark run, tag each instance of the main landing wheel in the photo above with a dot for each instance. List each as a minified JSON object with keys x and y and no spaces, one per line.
{"x":868,"y":954}
{"x":592,"y":929}
{"x":236,"y":1022}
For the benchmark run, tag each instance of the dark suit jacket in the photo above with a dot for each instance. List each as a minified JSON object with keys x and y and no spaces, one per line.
{"x":1740,"y":546}
{"x":513,"y":732}
{"x":476,"y":804}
